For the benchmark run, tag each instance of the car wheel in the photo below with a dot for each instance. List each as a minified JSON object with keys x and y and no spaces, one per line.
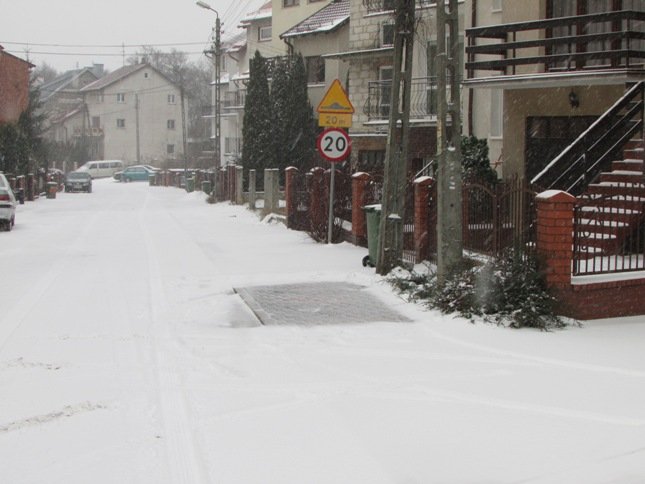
{"x":10,"y":224}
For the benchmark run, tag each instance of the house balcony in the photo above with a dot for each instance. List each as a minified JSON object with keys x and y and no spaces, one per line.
{"x":232,"y":146}
{"x":605,"y":48}
{"x":423,"y":100}
{"x":234,"y":100}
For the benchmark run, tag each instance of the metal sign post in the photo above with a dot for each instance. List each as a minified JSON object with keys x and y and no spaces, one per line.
{"x":334,"y":145}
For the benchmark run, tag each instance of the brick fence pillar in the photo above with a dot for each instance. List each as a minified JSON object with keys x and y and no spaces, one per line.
{"x":422,"y":187}
{"x":360,"y":181}
{"x":555,"y":236}
{"x":30,"y":187}
{"x":290,"y":174}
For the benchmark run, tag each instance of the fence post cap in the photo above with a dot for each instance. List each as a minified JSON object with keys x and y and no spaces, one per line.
{"x":556,"y":196}
{"x":423,"y":180}
{"x":361,"y":175}
{"x":291,"y":168}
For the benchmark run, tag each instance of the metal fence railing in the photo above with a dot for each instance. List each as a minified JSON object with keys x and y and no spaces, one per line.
{"x":609,"y":231}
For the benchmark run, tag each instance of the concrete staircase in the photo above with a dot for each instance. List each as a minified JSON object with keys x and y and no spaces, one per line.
{"x":612,"y":209}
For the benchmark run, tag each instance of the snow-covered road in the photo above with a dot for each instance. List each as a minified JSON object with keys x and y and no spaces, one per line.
{"x":126,"y":357}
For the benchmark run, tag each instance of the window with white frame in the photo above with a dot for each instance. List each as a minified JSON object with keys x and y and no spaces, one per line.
{"x":379,"y":5}
{"x":170,"y":124}
{"x":120,"y":97}
{"x":290,"y":3}
{"x":315,"y":69}
{"x":170,"y":149}
{"x":120,"y":123}
{"x":385,"y":74}
{"x":96,"y":121}
{"x":496,"y":113}
{"x":264,"y":33}
{"x":496,"y":5}
{"x":171,"y":99}
{"x":387,"y":34}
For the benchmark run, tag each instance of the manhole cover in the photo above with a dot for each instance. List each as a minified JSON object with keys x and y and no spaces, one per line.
{"x":316,"y":304}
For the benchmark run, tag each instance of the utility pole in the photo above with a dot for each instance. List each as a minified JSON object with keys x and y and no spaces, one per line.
{"x":390,"y":249}
{"x":217,"y":93}
{"x":136,"y":108}
{"x":449,"y":193}
{"x":217,"y":60}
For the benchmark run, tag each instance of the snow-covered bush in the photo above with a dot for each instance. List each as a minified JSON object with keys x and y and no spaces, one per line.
{"x":508,"y":290}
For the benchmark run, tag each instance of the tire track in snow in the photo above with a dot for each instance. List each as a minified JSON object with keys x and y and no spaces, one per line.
{"x":572,"y":365}
{"x":16,"y":315}
{"x":65,"y":412}
{"x":183,"y":453}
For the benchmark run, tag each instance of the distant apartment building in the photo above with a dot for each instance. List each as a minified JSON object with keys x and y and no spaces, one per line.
{"x":135,"y":112}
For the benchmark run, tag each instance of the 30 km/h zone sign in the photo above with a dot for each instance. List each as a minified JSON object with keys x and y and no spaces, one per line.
{"x":334,"y":144}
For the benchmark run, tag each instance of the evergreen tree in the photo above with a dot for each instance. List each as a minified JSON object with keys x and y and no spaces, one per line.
{"x":301,"y":144}
{"x":257,"y":152}
{"x":282,"y":103}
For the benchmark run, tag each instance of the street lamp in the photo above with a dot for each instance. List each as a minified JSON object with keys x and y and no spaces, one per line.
{"x":216,"y":74}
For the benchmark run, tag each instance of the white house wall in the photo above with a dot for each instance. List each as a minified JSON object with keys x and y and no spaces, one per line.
{"x":154,"y":112}
{"x":319,"y":44}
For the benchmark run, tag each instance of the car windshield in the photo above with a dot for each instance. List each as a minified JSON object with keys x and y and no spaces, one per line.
{"x":78,"y":176}
{"x":3,"y":184}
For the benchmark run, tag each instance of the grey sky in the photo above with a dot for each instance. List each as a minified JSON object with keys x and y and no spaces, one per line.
{"x":100,"y":23}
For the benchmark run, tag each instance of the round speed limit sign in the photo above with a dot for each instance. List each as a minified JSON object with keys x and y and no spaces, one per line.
{"x":334,"y":144}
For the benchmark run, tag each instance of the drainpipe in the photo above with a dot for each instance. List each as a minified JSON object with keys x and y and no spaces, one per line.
{"x":289,"y":46}
{"x":471,"y":91}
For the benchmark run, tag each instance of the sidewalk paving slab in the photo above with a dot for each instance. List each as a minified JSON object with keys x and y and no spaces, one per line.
{"x":320,"y":303}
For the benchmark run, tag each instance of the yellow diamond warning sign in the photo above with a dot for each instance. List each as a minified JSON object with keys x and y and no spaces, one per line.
{"x":335,"y":100}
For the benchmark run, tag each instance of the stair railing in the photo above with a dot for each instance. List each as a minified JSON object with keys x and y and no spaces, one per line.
{"x":583,"y":160}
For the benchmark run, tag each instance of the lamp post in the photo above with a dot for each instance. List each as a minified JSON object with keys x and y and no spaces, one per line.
{"x":216,"y":74}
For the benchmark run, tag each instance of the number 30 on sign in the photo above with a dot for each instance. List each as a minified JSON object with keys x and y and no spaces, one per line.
{"x":334,"y":144}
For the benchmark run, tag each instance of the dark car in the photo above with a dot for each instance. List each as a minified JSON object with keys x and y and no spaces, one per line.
{"x":78,"y":181}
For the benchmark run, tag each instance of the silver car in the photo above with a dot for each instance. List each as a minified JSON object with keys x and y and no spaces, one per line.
{"x":7,"y":205}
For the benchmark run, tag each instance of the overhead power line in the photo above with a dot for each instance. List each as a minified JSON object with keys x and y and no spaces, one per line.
{"x":99,"y":46}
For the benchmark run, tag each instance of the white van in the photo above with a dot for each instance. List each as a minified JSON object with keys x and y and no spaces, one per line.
{"x":102,"y":168}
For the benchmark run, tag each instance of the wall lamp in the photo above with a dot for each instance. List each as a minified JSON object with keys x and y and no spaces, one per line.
{"x":573,"y":99}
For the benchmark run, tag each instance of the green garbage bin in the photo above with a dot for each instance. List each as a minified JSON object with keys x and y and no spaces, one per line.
{"x":206,"y":186}
{"x":151,"y":180}
{"x":190,"y":184}
{"x":52,"y":188}
{"x":373,"y":218}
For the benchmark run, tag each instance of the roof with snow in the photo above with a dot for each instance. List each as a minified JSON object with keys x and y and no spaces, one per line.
{"x":261,"y":13}
{"x":324,"y":20}
{"x":113,"y":77}
{"x":119,"y":74}
{"x":63,"y":81}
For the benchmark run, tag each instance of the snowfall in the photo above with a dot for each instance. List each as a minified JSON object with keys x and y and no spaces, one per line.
{"x":126,"y":356}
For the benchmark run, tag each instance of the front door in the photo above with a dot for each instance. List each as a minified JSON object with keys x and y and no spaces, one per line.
{"x":548,"y":136}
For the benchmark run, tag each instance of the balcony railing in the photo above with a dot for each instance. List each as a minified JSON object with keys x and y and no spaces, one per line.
{"x":232,"y":146}
{"x":234,"y":100}
{"x":597,"y":41}
{"x":423,"y":99}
